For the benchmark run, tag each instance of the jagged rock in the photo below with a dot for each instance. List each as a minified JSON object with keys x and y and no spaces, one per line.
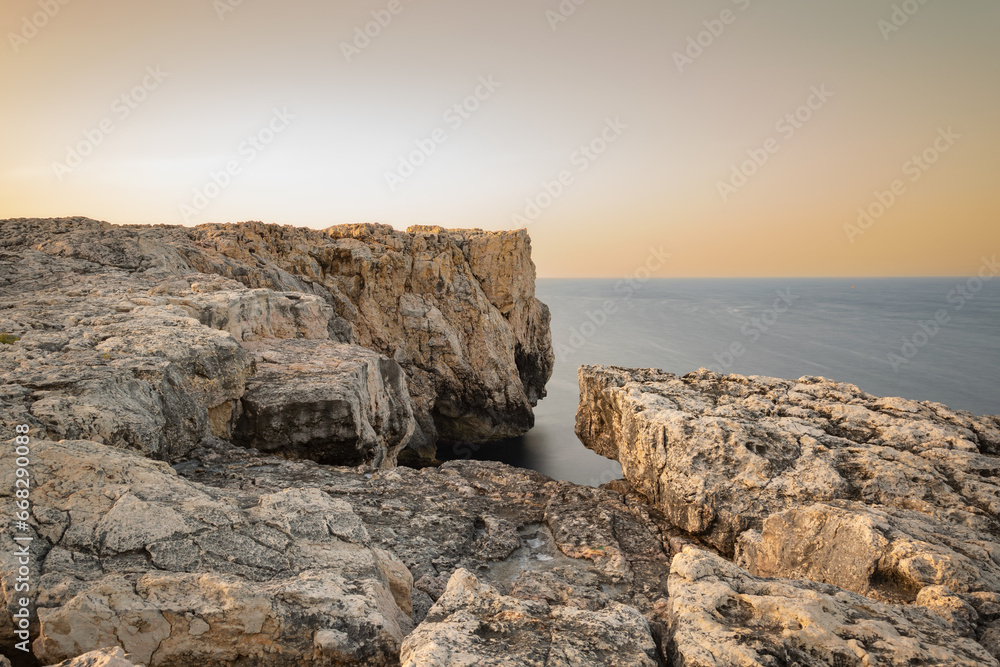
{"x":107,"y":657}
{"x":959,"y":614}
{"x":127,"y":553}
{"x":882,"y":552}
{"x":325,"y":401}
{"x":808,"y":478}
{"x":455,"y":308}
{"x":508,"y":525}
{"x":721,"y":615}
{"x":146,"y":378}
{"x":472,"y":624}
{"x":215,"y":566}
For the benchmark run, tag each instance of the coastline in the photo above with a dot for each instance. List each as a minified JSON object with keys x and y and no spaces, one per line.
{"x":214,"y":417}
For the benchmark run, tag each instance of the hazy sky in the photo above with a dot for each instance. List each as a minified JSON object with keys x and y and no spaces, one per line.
{"x":739,"y":136}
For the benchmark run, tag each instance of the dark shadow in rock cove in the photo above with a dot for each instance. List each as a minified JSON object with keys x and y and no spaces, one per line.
{"x":513,"y":451}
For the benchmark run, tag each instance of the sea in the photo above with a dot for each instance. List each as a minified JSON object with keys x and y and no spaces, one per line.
{"x":929,"y":339}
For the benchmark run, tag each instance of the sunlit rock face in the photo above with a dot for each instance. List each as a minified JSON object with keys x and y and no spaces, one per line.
{"x":140,"y":336}
{"x":722,"y":615}
{"x":127,"y":553}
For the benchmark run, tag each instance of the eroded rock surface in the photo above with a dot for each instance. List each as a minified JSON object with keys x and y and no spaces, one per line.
{"x":521,"y":532}
{"x":245,"y":559}
{"x":721,"y":615}
{"x":455,"y":308}
{"x":813,"y":479}
{"x":472,"y":624}
{"x":127,"y":553}
{"x":108,"y":657}
{"x":329,"y":402}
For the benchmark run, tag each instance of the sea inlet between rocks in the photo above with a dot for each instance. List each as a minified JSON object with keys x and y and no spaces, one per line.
{"x":849,"y":330}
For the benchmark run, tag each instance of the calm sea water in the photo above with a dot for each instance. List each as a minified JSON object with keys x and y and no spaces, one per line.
{"x":845,"y":330}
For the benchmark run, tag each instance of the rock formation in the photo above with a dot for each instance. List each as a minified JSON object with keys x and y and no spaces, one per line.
{"x":248,"y":559}
{"x":721,"y":615}
{"x":473,"y":624}
{"x":126,"y":553}
{"x":894,"y":499}
{"x":131,"y":335}
{"x":216,"y":415}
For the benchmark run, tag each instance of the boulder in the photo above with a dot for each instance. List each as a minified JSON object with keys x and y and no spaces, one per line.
{"x":329,"y":402}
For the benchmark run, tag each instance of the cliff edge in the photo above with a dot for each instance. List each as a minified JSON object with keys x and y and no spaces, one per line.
{"x":427,"y":334}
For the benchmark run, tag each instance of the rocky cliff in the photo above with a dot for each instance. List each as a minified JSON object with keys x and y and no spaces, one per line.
{"x":233,"y":557}
{"x":893,"y":499}
{"x":215,"y":416}
{"x":155,"y":337}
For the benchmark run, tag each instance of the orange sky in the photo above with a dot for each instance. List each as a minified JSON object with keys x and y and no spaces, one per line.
{"x":469,"y":114}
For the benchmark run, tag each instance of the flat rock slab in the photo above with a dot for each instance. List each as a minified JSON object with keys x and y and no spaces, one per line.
{"x":721,"y":615}
{"x":808,"y":478}
{"x":127,"y":553}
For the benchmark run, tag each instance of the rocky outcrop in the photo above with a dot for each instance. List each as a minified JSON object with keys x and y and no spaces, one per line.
{"x":721,"y":615}
{"x":244,"y":559}
{"x":144,"y":377}
{"x":763,"y":522}
{"x":162,"y":367}
{"x":473,"y":624}
{"x":890,"y":498}
{"x":455,"y":308}
{"x":126,"y":553}
{"x":325,"y":401}
{"x":522,"y":533}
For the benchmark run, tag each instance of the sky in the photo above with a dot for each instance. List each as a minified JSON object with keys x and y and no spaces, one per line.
{"x":739,"y":137}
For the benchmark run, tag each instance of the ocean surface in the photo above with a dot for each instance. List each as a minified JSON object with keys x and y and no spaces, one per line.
{"x":935,"y":339}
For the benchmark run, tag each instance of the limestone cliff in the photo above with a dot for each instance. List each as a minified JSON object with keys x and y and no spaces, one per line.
{"x":810,"y":479}
{"x":144,"y":328}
